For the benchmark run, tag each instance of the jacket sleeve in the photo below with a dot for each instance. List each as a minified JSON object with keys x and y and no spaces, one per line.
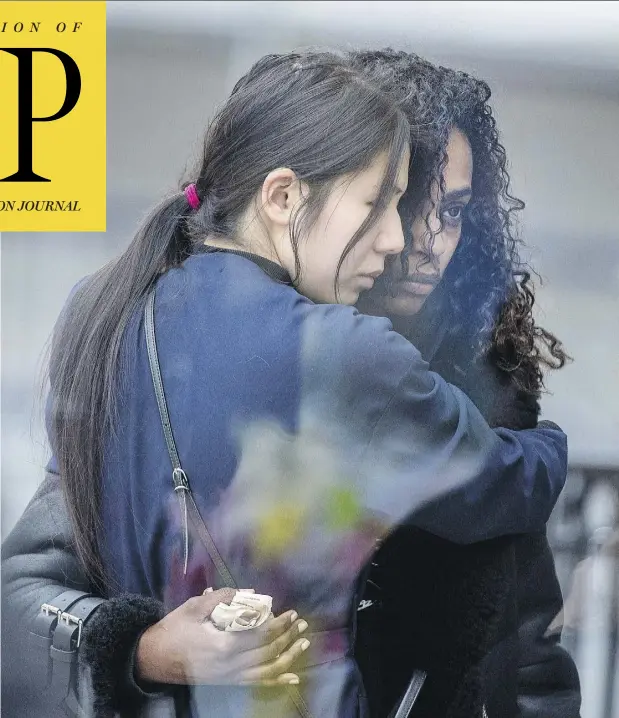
{"x":38,"y":564}
{"x":422,"y":436}
{"x":548,"y":684}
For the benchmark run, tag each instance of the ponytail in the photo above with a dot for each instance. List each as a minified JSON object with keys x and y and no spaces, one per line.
{"x":84,"y":361}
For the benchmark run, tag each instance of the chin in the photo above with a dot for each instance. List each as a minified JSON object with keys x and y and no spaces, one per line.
{"x":347,"y":296}
{"x":404,"y":305}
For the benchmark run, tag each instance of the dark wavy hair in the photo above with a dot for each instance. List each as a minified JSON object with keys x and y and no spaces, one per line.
{"x":486,"y":287}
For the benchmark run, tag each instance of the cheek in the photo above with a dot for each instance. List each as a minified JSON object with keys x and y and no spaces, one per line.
{"x":419,"y":234}
{"x":319,"y":248}
{"x":451,"y":244}
{"x":356,"y":258}
{"x":319,"y":262}
{"x":327,"y":241}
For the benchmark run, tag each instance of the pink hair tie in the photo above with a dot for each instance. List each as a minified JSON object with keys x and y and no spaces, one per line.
{"x":192,"y":196}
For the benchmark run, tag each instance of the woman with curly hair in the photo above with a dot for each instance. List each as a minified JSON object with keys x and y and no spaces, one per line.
{"x":477,"y":615}
{"x":156,"y":658}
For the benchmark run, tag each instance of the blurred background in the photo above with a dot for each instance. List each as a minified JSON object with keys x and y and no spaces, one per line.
{"x":554,"y":71}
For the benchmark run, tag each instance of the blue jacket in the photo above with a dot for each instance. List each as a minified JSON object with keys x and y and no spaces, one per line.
{"x":288,"y":413}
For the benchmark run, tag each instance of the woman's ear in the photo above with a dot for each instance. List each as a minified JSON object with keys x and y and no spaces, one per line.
{"x":281,"y":192}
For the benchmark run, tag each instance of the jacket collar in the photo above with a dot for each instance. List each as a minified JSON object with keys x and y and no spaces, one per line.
{"x":274,"y":270}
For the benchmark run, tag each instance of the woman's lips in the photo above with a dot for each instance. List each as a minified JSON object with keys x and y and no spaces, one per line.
{"x":418,"y":284}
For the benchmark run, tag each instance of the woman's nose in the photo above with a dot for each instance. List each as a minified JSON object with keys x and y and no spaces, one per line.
{"x":390,"y":239}
{"x":428,"y":240}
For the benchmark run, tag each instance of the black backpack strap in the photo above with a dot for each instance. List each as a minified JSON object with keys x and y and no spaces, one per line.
{"x":181,"y":483}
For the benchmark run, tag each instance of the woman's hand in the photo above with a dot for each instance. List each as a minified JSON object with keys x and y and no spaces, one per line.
{"x":185,"y":648}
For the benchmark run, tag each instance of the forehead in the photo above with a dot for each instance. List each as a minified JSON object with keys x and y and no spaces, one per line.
{"x":459,"y":168}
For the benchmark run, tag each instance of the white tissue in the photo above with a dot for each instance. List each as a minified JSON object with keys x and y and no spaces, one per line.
{"x":225,"y":616}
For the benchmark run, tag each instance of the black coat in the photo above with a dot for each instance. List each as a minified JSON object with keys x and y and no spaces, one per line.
{"x":475,"y":615}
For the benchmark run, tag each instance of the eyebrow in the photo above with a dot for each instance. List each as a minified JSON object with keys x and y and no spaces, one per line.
{"x":457,"y":194}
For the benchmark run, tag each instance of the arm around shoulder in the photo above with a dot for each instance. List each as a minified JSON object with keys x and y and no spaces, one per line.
{"x":423,"y":448}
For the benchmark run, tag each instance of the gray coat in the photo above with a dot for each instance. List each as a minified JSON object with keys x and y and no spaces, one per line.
{"x":38,"y":564}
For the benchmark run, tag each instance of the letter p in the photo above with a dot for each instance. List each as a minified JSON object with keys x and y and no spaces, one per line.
{"x":25,"y":172}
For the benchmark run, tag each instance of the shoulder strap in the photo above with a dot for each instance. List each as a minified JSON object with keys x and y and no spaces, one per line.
{"x":408,"y":700}
{"x":181,"y":483}
{"x":153,"y":360}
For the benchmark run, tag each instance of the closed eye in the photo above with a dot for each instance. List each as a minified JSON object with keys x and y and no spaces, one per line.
{"x":398,"y":195}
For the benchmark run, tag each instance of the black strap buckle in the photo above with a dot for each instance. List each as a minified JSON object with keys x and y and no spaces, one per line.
{"x":70,"y":620}
{"x":58,"y":628}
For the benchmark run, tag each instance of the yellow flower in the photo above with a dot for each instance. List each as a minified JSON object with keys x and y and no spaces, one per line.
{"x":279,"y":529}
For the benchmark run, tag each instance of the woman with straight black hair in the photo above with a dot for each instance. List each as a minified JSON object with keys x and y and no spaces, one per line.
{"x":305,"y":430}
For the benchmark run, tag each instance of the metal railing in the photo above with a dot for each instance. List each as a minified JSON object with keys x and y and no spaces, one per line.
{"x":584,"y":535}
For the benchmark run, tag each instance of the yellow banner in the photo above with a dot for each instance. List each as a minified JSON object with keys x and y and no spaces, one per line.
{"x":52,"y":116}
